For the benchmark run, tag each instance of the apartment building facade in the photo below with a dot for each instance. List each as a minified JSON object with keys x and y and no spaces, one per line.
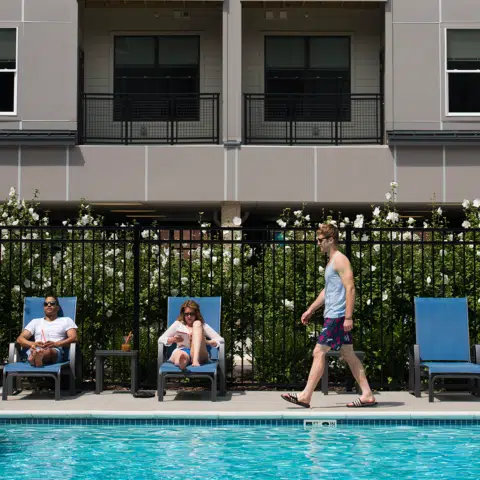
{"x":233,"y":103}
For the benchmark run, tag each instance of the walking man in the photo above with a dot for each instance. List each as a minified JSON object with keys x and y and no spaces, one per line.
{"x":338,"y":296}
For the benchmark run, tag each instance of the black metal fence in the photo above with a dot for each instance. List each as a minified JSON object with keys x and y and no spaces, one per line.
{"x":313,"y":119}
{"x":150,"y":118}
{"x":122,"y":278}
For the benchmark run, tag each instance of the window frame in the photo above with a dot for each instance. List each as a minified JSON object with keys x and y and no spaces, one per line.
{"x":309,"y":36}
{"x":457,"y":115}
{"x":195,"y":116}
{"x":14,"y":113}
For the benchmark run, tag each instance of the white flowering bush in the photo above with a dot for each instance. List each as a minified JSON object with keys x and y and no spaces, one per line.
{"x":265,"y":283}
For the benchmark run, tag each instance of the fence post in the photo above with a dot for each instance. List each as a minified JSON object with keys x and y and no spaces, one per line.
{"x":136,"y":286}
{"x":348,"y":241}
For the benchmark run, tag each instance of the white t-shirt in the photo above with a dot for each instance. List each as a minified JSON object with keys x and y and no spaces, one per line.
{"x":54,"y":331}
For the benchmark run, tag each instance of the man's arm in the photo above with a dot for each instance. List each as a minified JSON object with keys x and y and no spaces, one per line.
{"x":23,"y":339}
{"x":344,"y":269}
{"x":319,"y":301}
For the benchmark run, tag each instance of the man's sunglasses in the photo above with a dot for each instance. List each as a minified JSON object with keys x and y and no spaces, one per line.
{"x":50,"y":304}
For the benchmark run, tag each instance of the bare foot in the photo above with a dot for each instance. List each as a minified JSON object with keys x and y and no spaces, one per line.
{"x":32,"y":357}
{"x":39,"y":359}
{"x":195,"y":364}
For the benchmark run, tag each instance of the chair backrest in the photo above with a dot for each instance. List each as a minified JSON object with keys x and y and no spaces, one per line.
{"x":210,"y":307}
{"x":442,"y":329}
{"x":33,"y":308}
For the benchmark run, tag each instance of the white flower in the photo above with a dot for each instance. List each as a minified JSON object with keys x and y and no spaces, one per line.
{"x":342,"y":225}
{"x":173,"y":292}
{"x":385,"y":296}
{"x":4,"y":214}
{"x":15,"y":223}
{"x":393,"y":184}
{"x":388,"y":196}
{"x":11,"y":193}
{"x":411,"y":221}
{"x":439,"y":210}
{"x":27,"y":283}
{"x":184,"y":280}
{"x":16,"y":288}
{"x":108,"y":313}
{"x":358,"y":254}
{"x":398,"y":279}
{"x":31,"y":211}
{"x":321,"y":269}
{"x":425,"y":224}
{"x":476,"y":203}
{"x":236,"y":261}
{"x":297,"y":223}
{"x":466,"y":203}
{"x":376,"y":212}
{"x":346,"y":220}
{"x":214,"y":259}
{"x":298,"y":213}
{"x":128,"y":255}
{"x":376,"y":247}
{"x":369,"y":302}
{"x":429,"y":280}
{"x":85,"y":219}
{"x":207,"y":253}
{"x":441,"y":252}
{"x":445,"y":278}
{"x":358,"y":223}
{"x":373,"y":268}
{"x":288,"y":304}
{"x":64,"y":223}
{"x":281,"y":223}
{"x":36,"y":217}
{"x":466,"y":224}
{"x":307,"y":218}
{"x":393,"y":217}
{"x":237,"y":221}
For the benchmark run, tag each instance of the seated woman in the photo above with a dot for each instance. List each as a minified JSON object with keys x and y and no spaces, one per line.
{"x":192,"y":335}
{"x":50,"y":334}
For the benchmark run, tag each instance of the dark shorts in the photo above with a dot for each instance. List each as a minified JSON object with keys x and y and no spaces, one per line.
{"x":333,"y":335}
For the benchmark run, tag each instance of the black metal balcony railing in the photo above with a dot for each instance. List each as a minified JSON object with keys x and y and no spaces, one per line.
{"x":150,"y":118}
{"x":313,"y":119}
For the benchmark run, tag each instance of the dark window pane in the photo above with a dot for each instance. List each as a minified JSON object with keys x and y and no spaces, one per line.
{"x":463,"y":49}
{"x":8,"y":48}
{"x":178,"y":50}
{"x":464,"y":92}
{"x":285,"y":52}
{"x":134,"y":52}
{"x":7,"y":92}
{"x":329,"y":53}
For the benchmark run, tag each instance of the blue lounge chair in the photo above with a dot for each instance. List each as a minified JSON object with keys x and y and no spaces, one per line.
{"x":18,"y":366}
{"x":443,"y":346}
{"x":211,"y":312}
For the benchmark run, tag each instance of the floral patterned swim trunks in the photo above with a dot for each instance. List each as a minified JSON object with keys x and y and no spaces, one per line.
{"x":333,"y":335}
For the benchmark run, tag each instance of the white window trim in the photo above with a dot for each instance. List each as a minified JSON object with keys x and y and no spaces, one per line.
{"x":15,"y":72}
{"x":447,"y":76}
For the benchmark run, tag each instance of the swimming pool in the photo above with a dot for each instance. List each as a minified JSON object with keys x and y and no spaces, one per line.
{"x":191,"y":449}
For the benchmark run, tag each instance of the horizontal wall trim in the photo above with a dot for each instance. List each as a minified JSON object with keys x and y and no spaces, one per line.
{"x":433,"y":137}
{"x":44,"y":138}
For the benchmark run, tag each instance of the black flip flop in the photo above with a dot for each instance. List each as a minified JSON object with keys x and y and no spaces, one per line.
{"x":144,"y":394}
{"x":359,"y":404}
{"x":292,"y":398}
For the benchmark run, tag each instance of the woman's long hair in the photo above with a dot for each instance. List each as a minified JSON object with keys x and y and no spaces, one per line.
{"x":194,"y":306}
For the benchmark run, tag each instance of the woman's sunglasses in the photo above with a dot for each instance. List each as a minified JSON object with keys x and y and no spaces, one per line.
{"x":189,"y":314}
{"x":49,"y":304}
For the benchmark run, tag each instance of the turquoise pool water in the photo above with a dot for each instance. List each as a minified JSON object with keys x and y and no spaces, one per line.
{"x":261,"y":452}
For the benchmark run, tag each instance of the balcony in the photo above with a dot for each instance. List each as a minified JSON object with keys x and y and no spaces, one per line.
{"x":149,"y":119}
{"x":313,"y":119}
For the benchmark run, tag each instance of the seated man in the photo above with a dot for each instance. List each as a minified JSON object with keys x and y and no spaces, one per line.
{"x":50,"y":335}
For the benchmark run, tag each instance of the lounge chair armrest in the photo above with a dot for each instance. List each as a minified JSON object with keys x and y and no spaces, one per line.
{"x":476,"y":350}
{"x":13,"y":352}
{"x":161,"y":354}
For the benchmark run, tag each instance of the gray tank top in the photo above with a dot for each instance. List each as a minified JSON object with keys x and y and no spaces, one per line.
{"x":335,"y":294}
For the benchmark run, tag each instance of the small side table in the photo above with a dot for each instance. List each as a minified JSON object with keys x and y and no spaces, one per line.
{"x":101,"y":355}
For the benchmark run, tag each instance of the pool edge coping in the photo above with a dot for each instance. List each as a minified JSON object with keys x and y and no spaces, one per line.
{"x":255,"y":415}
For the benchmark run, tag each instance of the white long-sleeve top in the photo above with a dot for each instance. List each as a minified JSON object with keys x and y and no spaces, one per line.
{"x":179,"y":327}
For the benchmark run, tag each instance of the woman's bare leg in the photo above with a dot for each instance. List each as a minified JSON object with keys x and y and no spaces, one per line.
{"x":180,"y":358}
{"x":198,"y":348}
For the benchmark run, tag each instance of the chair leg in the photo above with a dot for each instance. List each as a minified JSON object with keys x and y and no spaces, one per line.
{"x":57,"y":387}
{"x":417,"y":381}
{"x":5,"y":386}
{"x":160,"y":388}
{"x":214,"y":386}
{"x":71,"y":383}
{"x":431,"y":381}
{"x":223,"y":389}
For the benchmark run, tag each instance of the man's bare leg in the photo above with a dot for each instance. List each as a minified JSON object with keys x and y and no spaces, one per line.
{"x":198,"y":348}
{"x":316,"y":372}
{"x":49,"y":356}
{"x":358,"y":372}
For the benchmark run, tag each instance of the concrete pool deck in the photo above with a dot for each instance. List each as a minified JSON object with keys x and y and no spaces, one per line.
{"x":240,"y":404}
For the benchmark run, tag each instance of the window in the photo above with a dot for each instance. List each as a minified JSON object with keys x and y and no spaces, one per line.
{"x":314,"y":72}
{"x":463,"y":70}
{"x":157,"y":77}
{"x":8,"y":70}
